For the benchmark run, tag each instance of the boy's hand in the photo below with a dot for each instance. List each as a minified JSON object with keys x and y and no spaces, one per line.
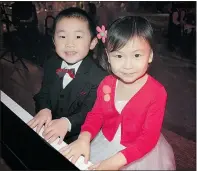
{"x":44,"y":116}
{"x":74,"y":150}
{"x":57,"y":128}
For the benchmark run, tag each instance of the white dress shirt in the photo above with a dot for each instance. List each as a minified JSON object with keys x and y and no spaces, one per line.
{"x":67,"y":79}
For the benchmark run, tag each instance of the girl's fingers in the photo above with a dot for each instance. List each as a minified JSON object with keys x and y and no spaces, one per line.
{"x":63,"y":149}
{"x":94,"y":166}
{"x":75,"y":158}
{"x":69,"y":154}
{"x":86,"y":157}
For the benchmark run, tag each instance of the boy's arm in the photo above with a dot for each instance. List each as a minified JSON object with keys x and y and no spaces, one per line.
{"x":42,"y":99}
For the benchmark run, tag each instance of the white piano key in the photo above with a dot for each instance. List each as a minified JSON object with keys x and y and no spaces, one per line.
{"x":26,"y":117}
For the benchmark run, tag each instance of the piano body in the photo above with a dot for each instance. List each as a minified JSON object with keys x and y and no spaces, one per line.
{"x":23,"y":148}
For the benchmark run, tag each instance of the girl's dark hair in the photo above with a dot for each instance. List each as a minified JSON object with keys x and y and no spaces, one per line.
{"x":74,"y":12}
{"x":121,"y":31}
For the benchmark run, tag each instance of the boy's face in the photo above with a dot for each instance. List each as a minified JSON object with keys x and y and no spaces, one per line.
{"x":131,"y":62}
{"x":72,"y":39}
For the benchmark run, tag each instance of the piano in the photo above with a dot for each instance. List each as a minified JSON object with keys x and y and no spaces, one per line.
{"x":23,"y":148}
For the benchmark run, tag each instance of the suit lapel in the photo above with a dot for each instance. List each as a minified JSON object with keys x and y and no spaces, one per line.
{"x":85,"y":66}
{"x":78,"y":83}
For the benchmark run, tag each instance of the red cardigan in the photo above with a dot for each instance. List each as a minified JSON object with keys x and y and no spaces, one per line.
{"x":141,"y":119}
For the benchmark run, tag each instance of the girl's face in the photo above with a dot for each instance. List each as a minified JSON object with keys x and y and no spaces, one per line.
{"x":72,"y":39}
{"x":131,"y":62}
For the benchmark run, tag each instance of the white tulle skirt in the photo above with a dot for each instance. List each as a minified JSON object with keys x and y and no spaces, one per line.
{"x":161,"y":157}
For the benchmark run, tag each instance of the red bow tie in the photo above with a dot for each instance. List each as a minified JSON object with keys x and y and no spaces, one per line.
{"x":61,"y":72}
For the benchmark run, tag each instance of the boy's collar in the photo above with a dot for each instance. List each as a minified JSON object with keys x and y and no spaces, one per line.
{"x":85,"y":64}
{"x":73,"y":66}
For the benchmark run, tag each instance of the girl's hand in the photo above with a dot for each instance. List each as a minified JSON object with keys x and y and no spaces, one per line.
{"x":104,"y":165}
{"x":113,"y":163}
{"x":57,"y":128}
{"x":79,"y":147}
{"x":44,"y":116}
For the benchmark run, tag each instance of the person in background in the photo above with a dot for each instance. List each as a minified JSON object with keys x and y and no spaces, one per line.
{"x":189,"y":35}
{"x":174,"y":26}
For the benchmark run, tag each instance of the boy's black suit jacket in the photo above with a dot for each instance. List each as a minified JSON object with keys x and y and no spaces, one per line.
{"x":76,"y":99}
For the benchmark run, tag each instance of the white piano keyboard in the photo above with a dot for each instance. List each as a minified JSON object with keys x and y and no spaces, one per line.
{"x":26,"y":117}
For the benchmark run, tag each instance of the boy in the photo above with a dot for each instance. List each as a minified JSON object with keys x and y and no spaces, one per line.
{"x":70,"y":80}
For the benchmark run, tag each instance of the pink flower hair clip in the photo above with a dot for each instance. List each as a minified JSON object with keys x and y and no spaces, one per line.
{"x":102,"y":33}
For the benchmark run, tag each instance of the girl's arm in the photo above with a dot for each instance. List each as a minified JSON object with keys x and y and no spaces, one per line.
{"x":89,"y":130}
{"x":150,"y":133}
{"x":85,"y":136}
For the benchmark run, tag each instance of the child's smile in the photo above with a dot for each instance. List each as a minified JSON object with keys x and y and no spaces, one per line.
{"x":70,"y":53}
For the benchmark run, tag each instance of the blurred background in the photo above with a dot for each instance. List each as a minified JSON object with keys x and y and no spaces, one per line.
{"x":26,"y":43}
{"x":31,"y":22}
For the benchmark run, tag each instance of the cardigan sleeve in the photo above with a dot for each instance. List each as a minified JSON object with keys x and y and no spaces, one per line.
{"x":150,"y":133}
{"x":94,"y":118}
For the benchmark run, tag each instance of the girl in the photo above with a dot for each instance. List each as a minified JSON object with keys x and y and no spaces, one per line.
{"x":129,"y":108}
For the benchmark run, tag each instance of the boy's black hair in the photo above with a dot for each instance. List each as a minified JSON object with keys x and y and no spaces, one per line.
{"x":121,"y":31}
{"x":74,"y":12}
